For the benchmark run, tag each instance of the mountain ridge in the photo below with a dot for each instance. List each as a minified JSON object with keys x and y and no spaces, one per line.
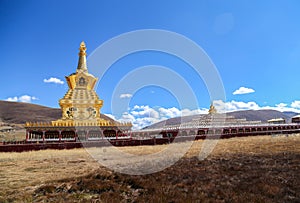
{"x":249,"y":115}
{"x":21,"y":112}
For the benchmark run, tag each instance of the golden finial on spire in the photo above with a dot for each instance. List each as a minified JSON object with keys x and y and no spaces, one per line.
{"x":82,"y":58}
{"x":212,"y":109}
{"x":82,"y":49}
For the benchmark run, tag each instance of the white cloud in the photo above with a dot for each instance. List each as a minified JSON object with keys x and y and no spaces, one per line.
{"x":144,"y":111}
{"x":54,"y":80}
{"x":26,"y":98}
{"x":140,"y":123}
{"x":127,"y":117}
{"x":296,"y":104}
{"x":240,"y":105}
{"x":23,"y":98}
{"x":142,"y":116}
{"x":138,"y":107}
{"x":281,"y":105}
{"x":14,"y":99}
{"x":220,"y":106}
{"x":169,"y":112}
{"x":243,"y":90}
{"x":125,"y":96}
{"x":188,"y":112}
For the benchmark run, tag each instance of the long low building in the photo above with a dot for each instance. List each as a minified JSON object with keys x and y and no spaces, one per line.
{"x":277,"y":120}
{"x":296,"y":119}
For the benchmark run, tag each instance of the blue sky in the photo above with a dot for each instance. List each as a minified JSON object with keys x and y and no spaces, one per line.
{"x":253,"y":44}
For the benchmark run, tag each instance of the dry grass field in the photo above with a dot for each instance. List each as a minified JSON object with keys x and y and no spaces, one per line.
{"x":247,"y":169}
{"x":17,"y":135}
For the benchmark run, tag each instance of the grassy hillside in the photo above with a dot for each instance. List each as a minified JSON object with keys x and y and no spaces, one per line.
{"x":19,"y":113}
{"x":262,"y":115}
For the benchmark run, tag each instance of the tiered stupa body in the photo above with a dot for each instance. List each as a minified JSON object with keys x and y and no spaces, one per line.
{"x":81,"y":103}
{"x":80,"y":111}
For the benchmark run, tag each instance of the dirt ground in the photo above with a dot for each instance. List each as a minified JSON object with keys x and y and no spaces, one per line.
{"x":248,"y":169}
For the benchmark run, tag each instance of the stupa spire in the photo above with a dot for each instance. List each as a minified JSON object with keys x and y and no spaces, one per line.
{"x":212,"y":109}
{"x":82,"y":67}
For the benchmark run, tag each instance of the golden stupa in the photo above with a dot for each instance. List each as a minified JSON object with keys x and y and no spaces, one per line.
{"x":212,"y":109}
{"x":80,"y":106}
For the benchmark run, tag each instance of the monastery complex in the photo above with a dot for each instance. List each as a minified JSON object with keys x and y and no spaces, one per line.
{"x":81,"y":120}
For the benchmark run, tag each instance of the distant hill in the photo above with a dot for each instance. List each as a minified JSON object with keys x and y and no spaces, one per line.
{"x":262,"y":115}
{"x":19,"y":113}
{"x":290,"y":114}
{"x":250,"y":115}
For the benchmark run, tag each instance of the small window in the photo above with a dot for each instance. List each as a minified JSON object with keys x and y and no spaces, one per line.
{"x":82,"y":81}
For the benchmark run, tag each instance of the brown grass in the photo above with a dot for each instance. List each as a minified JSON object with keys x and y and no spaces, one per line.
{"x":17,"y":135}
{"x":249,"y":169}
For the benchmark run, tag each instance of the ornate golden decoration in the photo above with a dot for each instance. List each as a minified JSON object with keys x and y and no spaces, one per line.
{"x":212,"y":109}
